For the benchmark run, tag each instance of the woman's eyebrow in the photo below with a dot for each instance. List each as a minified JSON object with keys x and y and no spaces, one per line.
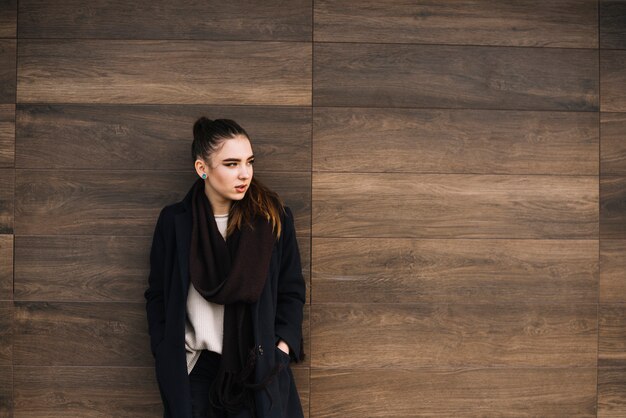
{"x":236,"y":159}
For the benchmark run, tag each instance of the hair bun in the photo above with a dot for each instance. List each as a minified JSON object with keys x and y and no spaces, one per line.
{"x":203,"y":120}
{"x":200,"y":125}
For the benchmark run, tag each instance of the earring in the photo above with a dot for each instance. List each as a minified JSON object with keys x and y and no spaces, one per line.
{"x":204,"y":175}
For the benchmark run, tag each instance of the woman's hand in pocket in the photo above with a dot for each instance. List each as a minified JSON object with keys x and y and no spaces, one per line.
{"x":283,"y":347}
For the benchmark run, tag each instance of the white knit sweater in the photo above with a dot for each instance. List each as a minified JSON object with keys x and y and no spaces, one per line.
{"x":204,"y":327}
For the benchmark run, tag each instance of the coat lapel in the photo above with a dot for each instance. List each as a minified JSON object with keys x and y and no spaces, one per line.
{"x":183,"y":241}
{"x":183,"y":223}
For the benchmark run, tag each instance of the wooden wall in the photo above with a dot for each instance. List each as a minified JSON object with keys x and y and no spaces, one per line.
{"x":457,"y":168}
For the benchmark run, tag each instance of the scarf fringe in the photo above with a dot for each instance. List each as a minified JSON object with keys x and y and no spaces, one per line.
{"x":232,"y":391}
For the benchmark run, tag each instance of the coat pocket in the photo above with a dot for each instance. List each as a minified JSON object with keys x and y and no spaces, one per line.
{"x":283,"y":357}
{"x":284,"y":380}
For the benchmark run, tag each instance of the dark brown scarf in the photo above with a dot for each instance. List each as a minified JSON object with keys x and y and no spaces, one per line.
{"x":232,"y":273}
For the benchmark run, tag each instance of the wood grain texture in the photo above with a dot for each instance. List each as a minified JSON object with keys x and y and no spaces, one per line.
{"x":613,"y":137}
{"x":379,"y":75}
{"x":7,"y":135}
{"x":613,"y":207}
{"x":613,"y":80}
{"x":138,"y":137}
{"x":7,"y":196}
{"x":612,"y":24}
{"x":454,"y":206}
{"x":8,"y":18}
{"x":611,"y":392}
{"x":6,"y":391}
{"x":162,"y":19}
{"x":612,"y":271}
{"x":81,"y":268}
{"x":523,"y":392}
{"x":6,"y":267}
{"x":8,"y":49}
{"x":396,"y":336}
{"x":382,"y":270}
{"x":454,"y":141}
{"x":94,"y":202}
{"x":52,"y":392}
{"x":164,"y":72}
{"x":81,"y":334}
{"x":123,"y":202}
{"x":6,"y":333}
{"x":612,"y":335}
{"x":561,"y":23}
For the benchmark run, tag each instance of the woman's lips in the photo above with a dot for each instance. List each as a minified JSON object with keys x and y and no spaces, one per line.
{"x":241,"y":189}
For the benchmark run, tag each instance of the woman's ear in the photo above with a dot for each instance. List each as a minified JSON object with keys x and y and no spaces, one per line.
{"x":201,"y":168}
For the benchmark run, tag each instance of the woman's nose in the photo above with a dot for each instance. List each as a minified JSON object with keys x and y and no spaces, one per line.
{"x":244,"y":172}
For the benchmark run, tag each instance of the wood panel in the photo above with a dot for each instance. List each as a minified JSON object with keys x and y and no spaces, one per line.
{"x":138,"y":137}
{"x":453,"y":335}
{"x":612,"y":271}
{"x":613,"y":80}
{"x":7,"y":187}
{"x":7,"y":135}
{"x":163,"y":19}
{"x":454,"y":206}
{"x":611,"y":392}
{"x":379,"y":75}
{"x":81,"y":268}
{"x":6,"y":267}
{"x":613,"y":149}
{"x":612,"y":341}
{"x":613,"y":24}
{"x":7,"y":70}
{"x":381,"y":270}
{"x":455,"y":141}
{"x":523,"y":392}
{"x":171,"y":72}
{"x":562,"y":23}
{"x":612,"y":335}
{"x":8,"y":18}
{"x":613,"y":207}
{"x":123,"y":202}
{"x":6,"y":333}
{"x":81,"y":334}
{"x":86,"y":392}
{"x":94,"y":202}
{"x":6,"y":391}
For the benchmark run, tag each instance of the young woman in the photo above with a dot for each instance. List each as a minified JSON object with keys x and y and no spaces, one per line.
{"x":226,"y":292}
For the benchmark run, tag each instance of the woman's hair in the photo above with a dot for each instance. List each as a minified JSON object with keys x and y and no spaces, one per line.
{"x":208,"y":136}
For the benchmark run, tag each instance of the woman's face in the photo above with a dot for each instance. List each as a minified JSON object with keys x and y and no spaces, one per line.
{"x":229,"y":173}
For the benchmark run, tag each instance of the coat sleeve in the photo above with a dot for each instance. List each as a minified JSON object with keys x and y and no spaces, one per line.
{"x":155,"y":307}
{"x":291,"y":291}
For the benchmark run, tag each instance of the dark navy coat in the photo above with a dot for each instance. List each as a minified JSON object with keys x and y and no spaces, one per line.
{"x":276,"y":315}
